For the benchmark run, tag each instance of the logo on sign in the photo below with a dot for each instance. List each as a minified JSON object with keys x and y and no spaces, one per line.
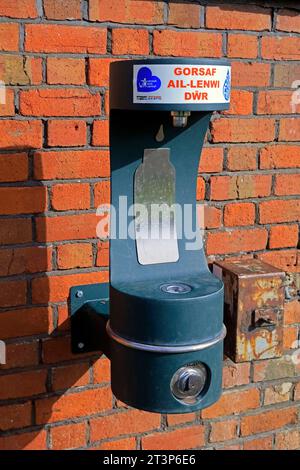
{"x":226,"y":87}
{"x":146,"y":82}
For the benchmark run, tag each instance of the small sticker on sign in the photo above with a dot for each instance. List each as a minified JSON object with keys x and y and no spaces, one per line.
{"x":166,"y":83}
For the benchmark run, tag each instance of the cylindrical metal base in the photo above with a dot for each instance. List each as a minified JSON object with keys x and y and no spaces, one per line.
{"x":143,"y":379}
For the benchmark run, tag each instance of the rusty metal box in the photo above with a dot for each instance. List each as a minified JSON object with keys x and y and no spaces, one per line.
{"x":253,"y":312}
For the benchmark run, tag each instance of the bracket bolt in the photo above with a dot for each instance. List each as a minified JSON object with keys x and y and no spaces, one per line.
{"x":79,"y":294}
{"x":80,"y":345}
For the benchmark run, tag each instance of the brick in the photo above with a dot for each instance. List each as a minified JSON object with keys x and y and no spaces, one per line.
{"x":28,"y":200}
{"x":13,"y":167}
{"x":57,"y":350}
{"x":238,"y":214}
{"x":66,"y":133}
{"x":242,"y":46}
{"x":9,"y":37}
{"x":100,"y":135}
{"x":288,"y":20}
{"x":24,"y":322}
{"x":34,"y":68}
{"x":283,"y":236}
{"x":71,"y":164}
{"x":25,"y":260}
{"x":102,"y":193}
{"x":290,"y":337}
{"x":66,"y":377}
{"x":289,"y":129}
{"x":175,"y":419}
{"x":59,"y":102}
{"x":286,"y":74}
{"x":279,"y":210}
{"x":240,"y":186}
{"x":291,"y":312}
{"x":241,"y":103}
{"x":250,"y":74}
{"x":231,"y":447}
{"x":102,"y":254}
{"x":21,"y":9}
{"x":20,"y":134}
{"x":223,"y":430}
{"x":26,"y":441}
{"x":288,"y":440}
{"x":128,"y":422}
{"x":23,"y":384}
{"x":101,"y":370}
{"x":15,"y":231}
{"x":279,"y":156}
{"x":15,"y":416}
{"x":130,"y":41}
{"x":98,"y":71}
{"x":212,"y":217}
{"x":56,"y":288}
{"x":119,"y":444}
{"x":70,"y":196}
{"x":21,"y":355}
{"x":233,"y":403}
{"x":241,"y":158}
{"x":13,"y":293}
{"x":280,"y":47}
{"x":75,"y":255}
{"x":236,"y":374}
{"x":211,"y":160}
{"x":262,"y":443}
{"x":187,"y":44}
{"x":85,"y":403}
{"x":8,"y":108}
{"x":106,"y":103}
{"x":243,"y":130}
{"x":73,"y":227}
{"x":20,"y":70}
{"x":278,"y":393}
{"x":128,"y":11}
{"x":66,"y":10}
{"x":63,"y":321}
{"x":274,"y":102}
{"x":61,"y":38}
{"x":234,"y":17}
{"x":179,"y":439}
{"x":184,"y":16}
{"x":235,"y":241}
{"x":287,"y":260}
{"x":273,"y":369}
{"x":69,"y":436}
{"x":65,"y":71}
{"x":200,"y":192}
{"x":297,"y":392}
{"x":267,"y":421}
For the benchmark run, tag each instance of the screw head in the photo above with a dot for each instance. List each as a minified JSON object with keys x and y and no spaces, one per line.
{"x":79,"y":294}
{"x":80,"y":345}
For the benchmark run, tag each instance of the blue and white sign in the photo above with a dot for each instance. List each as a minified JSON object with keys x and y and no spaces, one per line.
{"x":171,"y":83}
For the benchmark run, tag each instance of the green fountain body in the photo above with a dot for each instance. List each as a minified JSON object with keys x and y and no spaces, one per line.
{"x":160,"y":318}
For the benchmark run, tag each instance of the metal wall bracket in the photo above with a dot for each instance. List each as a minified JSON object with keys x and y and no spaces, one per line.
{"x":89,"y":306}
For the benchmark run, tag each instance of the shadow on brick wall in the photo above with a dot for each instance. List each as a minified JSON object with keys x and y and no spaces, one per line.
{"x":41,"y":381}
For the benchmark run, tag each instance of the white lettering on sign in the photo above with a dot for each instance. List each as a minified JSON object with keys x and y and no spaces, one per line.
{"x":165,"y":83}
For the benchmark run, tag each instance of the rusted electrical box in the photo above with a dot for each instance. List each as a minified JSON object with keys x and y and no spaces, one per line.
{"x":254,"y":299}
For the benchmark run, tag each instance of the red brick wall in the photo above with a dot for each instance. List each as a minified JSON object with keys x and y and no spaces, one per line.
{"x":54,"y":171}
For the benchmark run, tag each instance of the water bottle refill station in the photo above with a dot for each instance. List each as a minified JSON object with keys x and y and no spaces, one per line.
{"x":160,"y":318}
